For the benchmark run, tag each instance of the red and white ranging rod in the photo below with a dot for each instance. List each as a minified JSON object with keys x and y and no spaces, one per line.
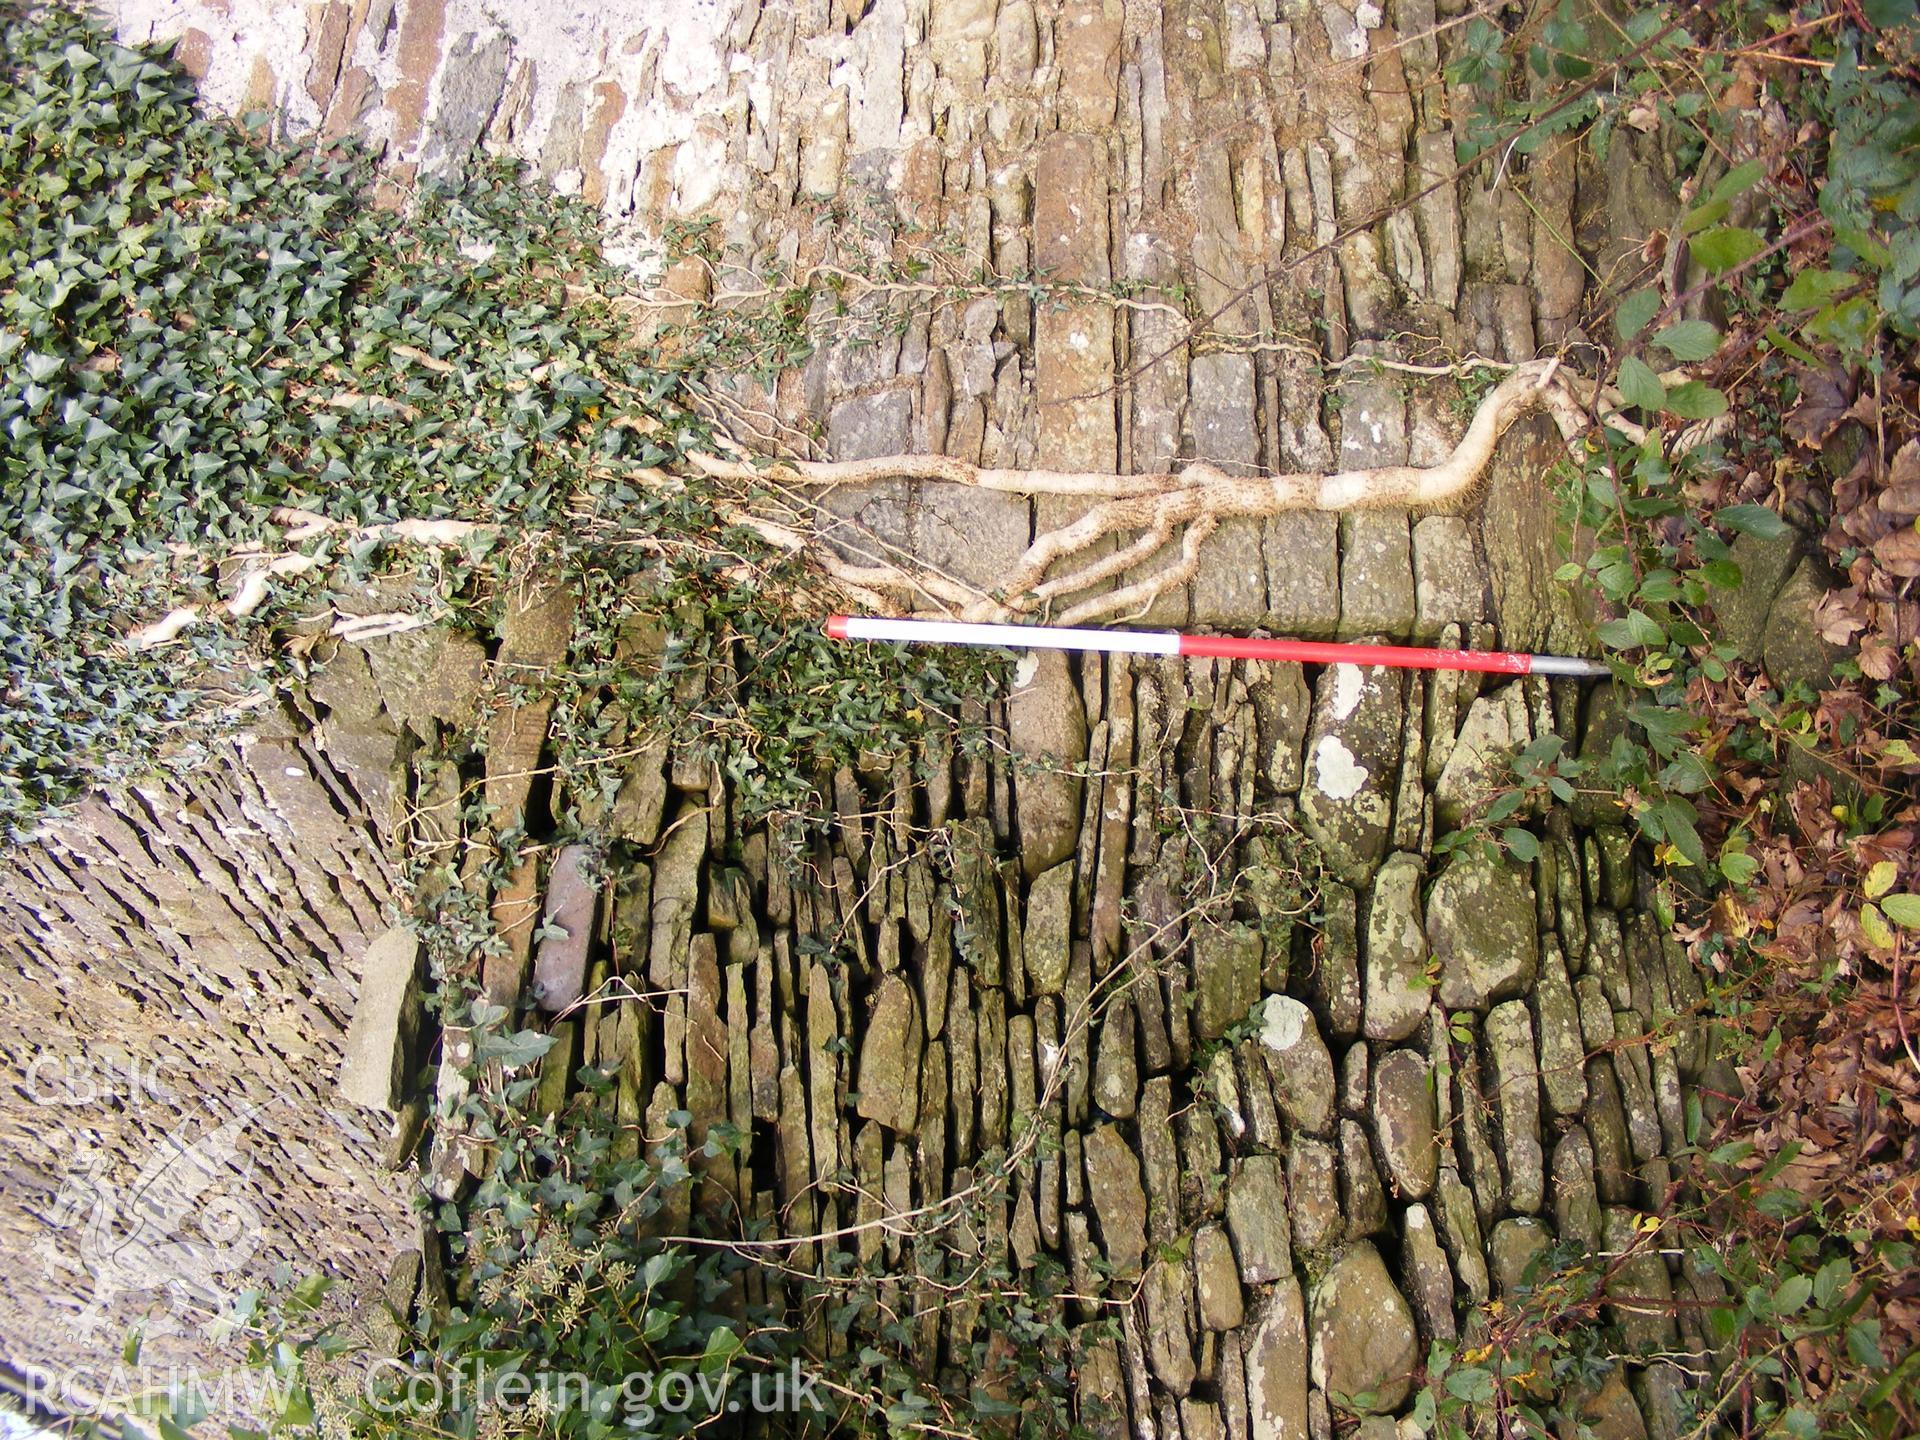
{"x":1218,"y":647}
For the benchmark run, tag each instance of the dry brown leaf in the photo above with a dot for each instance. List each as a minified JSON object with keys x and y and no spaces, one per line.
{"x":1823,"y":404}
{"x":1901,"y":499}
{"x":1877,"y":658}
{"x":1899,"y":552}
{"x":1838,"y":616}
{"x":1905,"y":468}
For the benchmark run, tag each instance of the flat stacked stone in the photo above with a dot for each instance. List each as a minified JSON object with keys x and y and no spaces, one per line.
{"x":1309,"y":1129}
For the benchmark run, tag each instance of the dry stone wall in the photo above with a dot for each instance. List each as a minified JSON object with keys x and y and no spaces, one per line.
{"x":1283,"y":172}
{"x":1292,"y":1171}
{"x":1181,"y":1001}
{"x":178,"y":965}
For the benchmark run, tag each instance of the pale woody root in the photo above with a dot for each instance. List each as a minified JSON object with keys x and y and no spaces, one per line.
{"x":1056,"y":577}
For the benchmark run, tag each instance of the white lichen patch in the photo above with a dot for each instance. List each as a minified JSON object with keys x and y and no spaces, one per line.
{"x":1347,"y":686}
{"x":1284,"y":1021}
{"x":1337,"y":775}
{"x":1226,"y":1091}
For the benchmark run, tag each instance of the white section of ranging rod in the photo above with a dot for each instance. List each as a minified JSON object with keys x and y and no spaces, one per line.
{"x":1220,"y":647}
{"x":1012,"y":637}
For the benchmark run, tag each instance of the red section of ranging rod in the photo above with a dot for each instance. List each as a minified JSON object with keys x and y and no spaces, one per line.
{"x":1220,"y":647}
{"x":1330,"y":652}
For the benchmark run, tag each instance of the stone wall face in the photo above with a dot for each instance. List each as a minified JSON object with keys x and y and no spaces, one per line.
{"x":1243,"y":160}
{"x":1271,"y":1137}
{"x":1286,"y":1130}
{"x":178,"y":964}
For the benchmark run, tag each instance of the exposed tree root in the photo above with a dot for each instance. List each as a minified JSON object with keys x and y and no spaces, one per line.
{"x":1191,"y":501}
{"x":258,"y":572}
{"x":1198,"y":496}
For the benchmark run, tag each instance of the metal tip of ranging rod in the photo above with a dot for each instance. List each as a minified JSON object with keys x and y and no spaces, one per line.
{"x":1569,"y":665}
{"x":1225,"y":647}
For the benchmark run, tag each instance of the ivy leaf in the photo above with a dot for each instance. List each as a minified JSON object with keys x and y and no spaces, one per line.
{"x":520,"y":1048}
{"x":305,"y":1298}
{"x":1719,"y":250}
{"x":1688,"y":340}
{"x":1640,"y":386}
{"x":1632,"y":314}
{"x":294,"y":1406}
{"x":723,"y":1345}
